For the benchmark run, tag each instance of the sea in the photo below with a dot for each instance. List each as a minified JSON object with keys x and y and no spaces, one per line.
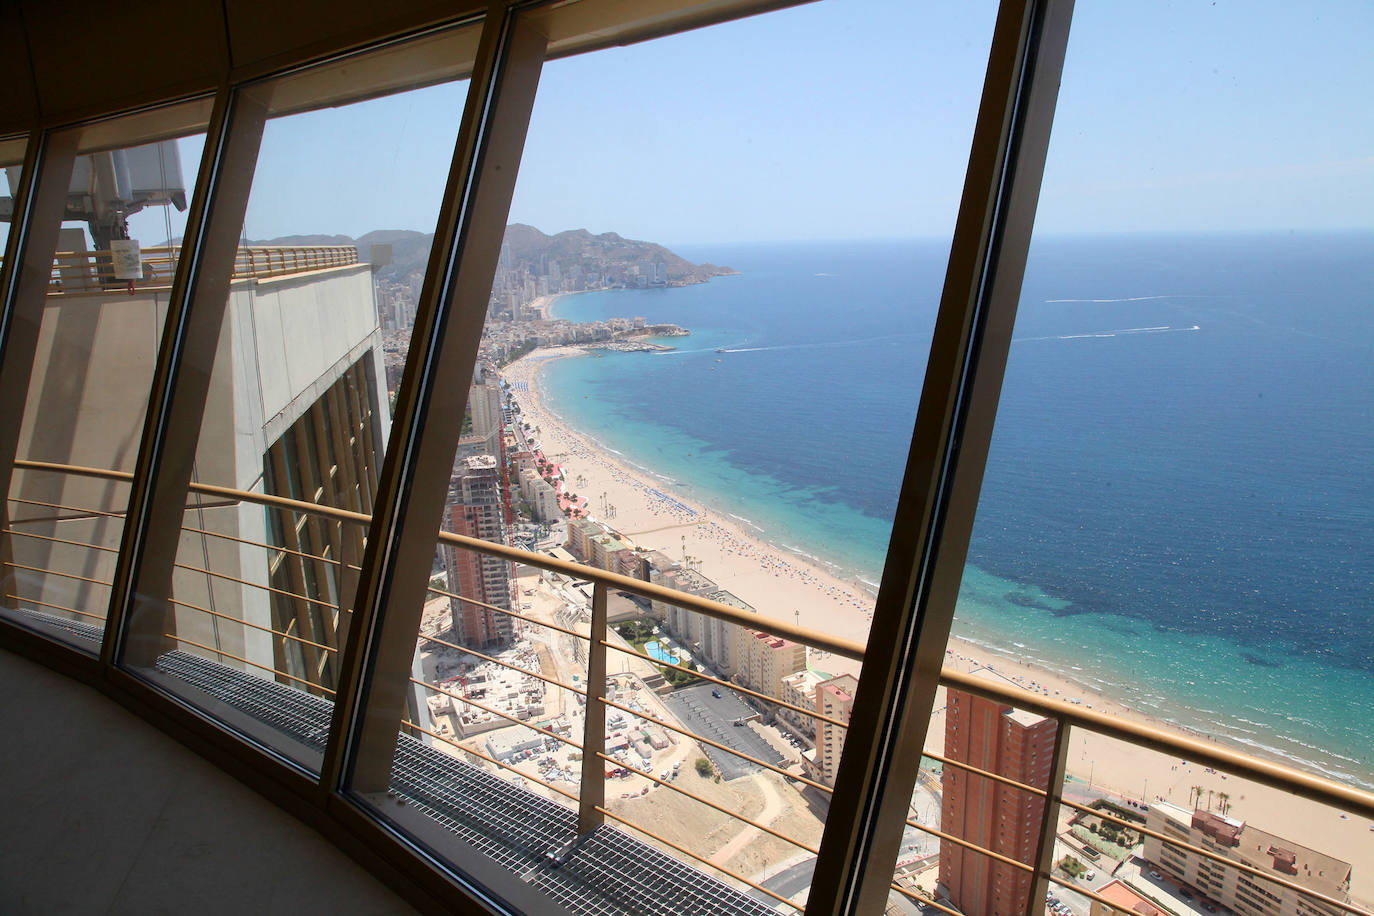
{"x":1178,"y":507}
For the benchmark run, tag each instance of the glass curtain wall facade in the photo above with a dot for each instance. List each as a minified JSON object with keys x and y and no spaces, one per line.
{"x":354,"y":570}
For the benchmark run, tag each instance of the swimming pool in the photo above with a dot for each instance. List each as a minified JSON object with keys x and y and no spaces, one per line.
{"x":654,"y":649}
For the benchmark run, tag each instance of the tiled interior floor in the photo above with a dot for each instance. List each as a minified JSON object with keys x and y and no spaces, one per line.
{"x":101,"y":813}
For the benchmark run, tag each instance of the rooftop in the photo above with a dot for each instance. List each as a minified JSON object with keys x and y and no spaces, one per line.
{"x":1021,"y":717}
{"x":1127,"y":899}
{"x":1316,"y":870}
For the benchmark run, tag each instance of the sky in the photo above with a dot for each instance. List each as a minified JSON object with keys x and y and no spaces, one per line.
{"x":853,"y":118}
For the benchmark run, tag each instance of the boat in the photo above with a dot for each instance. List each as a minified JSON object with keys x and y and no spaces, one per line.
{"x":721,"y":350}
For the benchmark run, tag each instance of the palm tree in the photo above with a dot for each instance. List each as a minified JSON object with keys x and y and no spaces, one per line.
{"x":1209,"y":799}
{"x":1224,"y":802}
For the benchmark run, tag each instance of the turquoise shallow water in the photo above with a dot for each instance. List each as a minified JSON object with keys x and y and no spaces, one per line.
{"x":1174,"y":512}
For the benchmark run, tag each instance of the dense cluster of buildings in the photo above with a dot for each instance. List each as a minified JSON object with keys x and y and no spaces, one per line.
{"x":521,"y":281}
{"x":754,"y":659}
{"x":479,"y":506}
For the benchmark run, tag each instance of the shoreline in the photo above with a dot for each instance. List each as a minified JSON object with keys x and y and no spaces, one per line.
{"x":787,"y":585}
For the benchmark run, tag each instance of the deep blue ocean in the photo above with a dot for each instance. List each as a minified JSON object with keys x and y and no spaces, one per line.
{"x":1179,"y":501}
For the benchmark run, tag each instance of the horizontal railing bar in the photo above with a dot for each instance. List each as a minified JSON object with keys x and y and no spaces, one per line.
{"x":716,"y":744}
{"x":837,"y":644}
{"x":687,"y":852}
{"x":497,"y":661}
{"x":75,"y":470}
{"x":496,"y":712}
{"x":1276,"y":776}
{"x":39,"y":502}
{"x":255,"y":626}
{"x":266,"y":588}
{"x":997,"y":777}
{"x":721,"y":808}
{"x":58,"y":572}
{"x":960,"y":841}
{"x":925,"y":901}
{"x":767,"y":698}
{"x":97,"y":267}
{"x":238,"y":658}
{"x":508,"y":612}
{"x":44,"y":537}
{"x":1297,"y":782}
{"x":57,"y":607}
{"x":281,"y":502}
{"x":272,"y":547}
{"x":190,"y":528}
{"x":506,"y":766}
{"x":1216,"y":857}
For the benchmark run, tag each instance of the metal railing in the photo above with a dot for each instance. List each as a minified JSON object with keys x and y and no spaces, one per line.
{"x":590,"y":799}
{"x":94,"y":271}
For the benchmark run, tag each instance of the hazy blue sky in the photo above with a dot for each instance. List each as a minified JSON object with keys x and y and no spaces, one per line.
{"x":852,"y":118}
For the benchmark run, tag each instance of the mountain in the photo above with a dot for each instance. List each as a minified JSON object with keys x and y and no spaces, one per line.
{"x":530,"y":251}
{"x":607,"y":254}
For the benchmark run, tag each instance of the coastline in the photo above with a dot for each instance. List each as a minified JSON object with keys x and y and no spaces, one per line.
{"x":787,"y":586}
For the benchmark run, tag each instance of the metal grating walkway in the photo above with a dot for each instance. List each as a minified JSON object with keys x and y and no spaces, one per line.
{"x":609,"y":872}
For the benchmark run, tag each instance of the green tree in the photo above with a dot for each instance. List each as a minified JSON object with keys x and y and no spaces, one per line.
{"x":703,"y":767}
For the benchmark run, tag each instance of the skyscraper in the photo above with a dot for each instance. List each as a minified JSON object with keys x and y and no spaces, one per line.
{"x":475,"y":509}
{"x":999,"y":739}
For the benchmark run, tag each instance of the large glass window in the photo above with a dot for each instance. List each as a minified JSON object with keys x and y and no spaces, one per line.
{"x":702,"y":356}
{"x":93,"y":362}
{"x":315,"y":330}
{"x":1174,"y":520}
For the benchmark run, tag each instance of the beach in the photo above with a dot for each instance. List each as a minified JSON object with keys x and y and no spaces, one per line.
{"x":788,"y":587}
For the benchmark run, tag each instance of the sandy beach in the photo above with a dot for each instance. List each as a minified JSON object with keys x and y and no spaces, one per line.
{"x":787,"y":587}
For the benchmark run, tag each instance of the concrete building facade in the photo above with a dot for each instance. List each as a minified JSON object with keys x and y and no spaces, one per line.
{"x":476,"y":509}
{"x":1019,"y":745}
{"x":1242,"y":892}
{"x":834,"y":698}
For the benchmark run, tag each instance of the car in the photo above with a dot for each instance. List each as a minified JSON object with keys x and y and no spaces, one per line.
{"x":1206,"y":905}
{"x":716,"y":694}
{"x":1185,"y":894}
{"x":1091,"y":876}
{"x":1154,"y":874}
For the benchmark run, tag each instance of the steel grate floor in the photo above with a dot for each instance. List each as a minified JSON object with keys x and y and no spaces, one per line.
{"x":609,"y":872}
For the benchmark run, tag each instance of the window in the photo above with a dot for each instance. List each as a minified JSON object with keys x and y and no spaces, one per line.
{"x":345,"y":188}
{"x":91,"y":343}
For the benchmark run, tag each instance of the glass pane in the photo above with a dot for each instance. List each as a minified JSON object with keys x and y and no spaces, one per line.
{"x":12,"y":162}
{"x":700,"y":368}
{"x":347,"y":187}
{"x":1174,"y":520}
{"x":93,"y":363}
